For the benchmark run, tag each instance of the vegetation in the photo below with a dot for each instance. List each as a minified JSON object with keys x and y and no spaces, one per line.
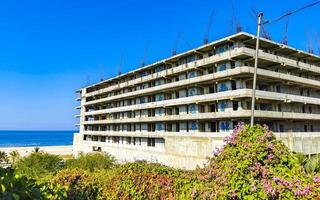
{"x":14,"y":186}
{"x":252,"y":165}
{"x":38,"y":165}
{"x":91,"y":162}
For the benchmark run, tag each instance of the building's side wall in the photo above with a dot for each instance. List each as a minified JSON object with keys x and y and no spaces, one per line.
{"x":187,"y":152}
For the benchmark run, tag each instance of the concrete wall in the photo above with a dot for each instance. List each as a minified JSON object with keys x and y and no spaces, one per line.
{"x":188,"y":150}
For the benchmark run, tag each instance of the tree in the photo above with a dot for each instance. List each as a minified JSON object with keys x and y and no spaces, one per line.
{"x":3,"y":157}
{"x":91,"y":162}
{"x":36,"y":149}
{"x":39,"y":165}
{"x":14,"y":156}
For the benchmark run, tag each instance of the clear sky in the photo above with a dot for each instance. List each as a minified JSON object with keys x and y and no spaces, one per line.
{"x":48,"y":49}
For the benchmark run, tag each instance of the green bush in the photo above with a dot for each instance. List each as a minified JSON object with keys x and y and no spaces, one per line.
{"x":13,"y":186}
{"x":39,"y":165}
{"x":252,"y":165}
{"x":91,"y":162}
{"x":139,"y":180}
{"x":142,"y":180}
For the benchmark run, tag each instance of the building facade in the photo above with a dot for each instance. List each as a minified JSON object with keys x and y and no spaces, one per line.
{"x":178,"y":110}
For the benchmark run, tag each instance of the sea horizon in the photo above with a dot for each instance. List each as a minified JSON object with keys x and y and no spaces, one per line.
{"x":35,"y":138}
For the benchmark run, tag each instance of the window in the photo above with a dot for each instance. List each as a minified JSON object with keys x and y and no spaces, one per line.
{"x":192,"y":74}
{"x":115,"y":139}
{"x":265,"y":106}
{"x":310,"y":109}
{"x":95,"y":138}
{"x":233,"y":85}
{"x":194,"y":126}
{"x":159,"y":111}
{"x":222,"y":67}
{"x":220,"y":49}
{"x":232,"y":64}
{"x":177,"y":111}
{"x":158,"y":82}
{"x":210,"y":70}
{"x":213,"y":108}
{"x":278,"y":88}
{"x":211,"y":89}
{"x":308,"y":93}
{"x":305,"y":128}
{"x":159,"y":126}
{"x":159,"y":97}
{"x":225,"y":126}
{"x":190,"y":58}
{"x":128,"y":140}
{"x":151,"y":142}
{"x":159,"y":68}
{"x":281,"y":128}
{"x":235,"y":105}
{"x":222,"y":106}
{"x":213,"y":127}
{"x":193,"y":109}
{"x":142,"y":100}
{"x":94,"y":148}
{"x":192,"y":92}
{"x":177,"y":95}
{"x":223,"y":87}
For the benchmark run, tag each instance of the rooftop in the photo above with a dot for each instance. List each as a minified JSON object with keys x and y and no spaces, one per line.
{"x":247,"y":38}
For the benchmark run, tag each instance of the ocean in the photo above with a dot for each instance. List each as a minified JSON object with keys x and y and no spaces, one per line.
{"x":35,"y":138}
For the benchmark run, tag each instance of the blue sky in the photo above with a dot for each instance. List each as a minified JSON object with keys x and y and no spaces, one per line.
{"x":48,"y":49}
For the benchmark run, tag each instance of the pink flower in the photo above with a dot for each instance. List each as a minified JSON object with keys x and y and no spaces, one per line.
{"x":316,"y":179}
{"x":270,"y":157}
{"x":233,"y":194}
{"x":217,"y":151}
{"x":268,"y":187}
{"x":194,"y":193}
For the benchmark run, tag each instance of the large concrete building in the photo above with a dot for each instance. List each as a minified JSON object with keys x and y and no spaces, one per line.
{"x":176,"y":111}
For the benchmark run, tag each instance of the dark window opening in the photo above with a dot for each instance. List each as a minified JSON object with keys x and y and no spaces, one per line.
{"x":232,"y":64}
{"x":305,"y":128}
{"x":94,"y":148}
{"x":281,"y":128}
{"x":151,"y":142}
{"x":233,"y":85}
{"x":278,"y":88}
{"x":213,"y":127}
{"x":235,"y":105}
{"x":211,"y":89}
{"x":234,"y":123}
{"x":213,"y":108}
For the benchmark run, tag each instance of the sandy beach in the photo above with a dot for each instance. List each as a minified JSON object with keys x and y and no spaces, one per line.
{"x":57,"y":150}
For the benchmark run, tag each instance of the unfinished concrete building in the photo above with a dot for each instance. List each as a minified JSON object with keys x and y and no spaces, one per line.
{"x":176,"y":111}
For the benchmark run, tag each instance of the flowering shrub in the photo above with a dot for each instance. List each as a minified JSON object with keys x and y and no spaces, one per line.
{"x":254,"y":165}
{"x":141,"y":180}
